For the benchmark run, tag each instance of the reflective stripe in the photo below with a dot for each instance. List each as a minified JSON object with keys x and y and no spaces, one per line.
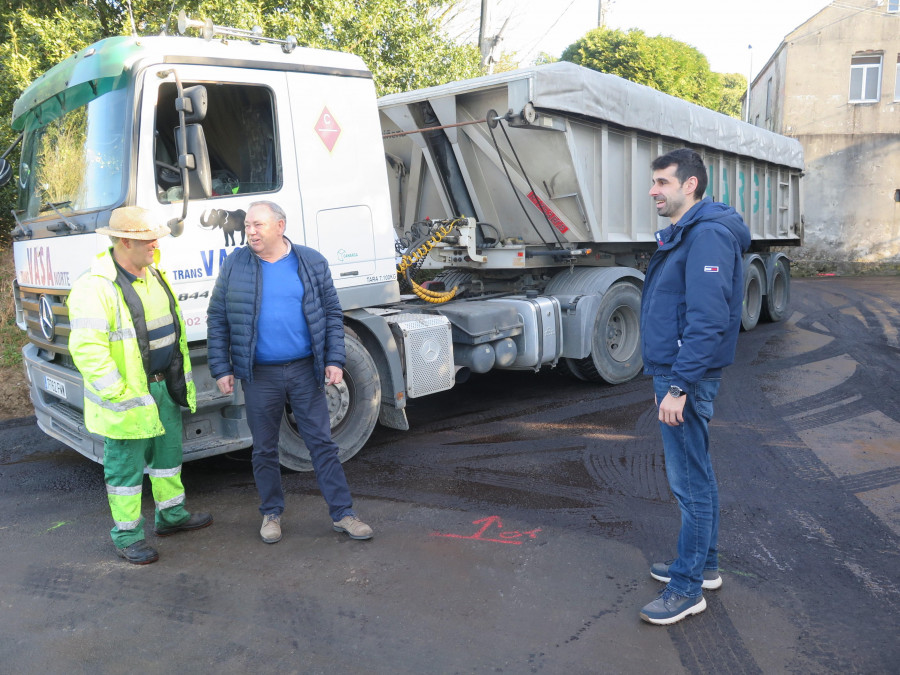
{"x":91,"y":324}
{"x":123,"y":490}
{"x":115,"y":293}
{"x":164,"y":473}
{"x":189,"y":376}
{"x":111,"y":378}
{"x":160,"y":322}
{"x":124,"y":334}
{"x":119,"y":406}
{"x":169,"y":503}
{"x":127,"y":526}
{"x":163,"y":341}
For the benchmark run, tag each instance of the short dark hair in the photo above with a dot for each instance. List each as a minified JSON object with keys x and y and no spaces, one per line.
{"x":688,"y":163}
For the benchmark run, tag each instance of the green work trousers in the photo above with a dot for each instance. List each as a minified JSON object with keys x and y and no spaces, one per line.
{"x":124,"y":461}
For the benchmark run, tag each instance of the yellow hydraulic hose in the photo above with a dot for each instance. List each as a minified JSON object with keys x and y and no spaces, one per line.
{"x":407,"y":261}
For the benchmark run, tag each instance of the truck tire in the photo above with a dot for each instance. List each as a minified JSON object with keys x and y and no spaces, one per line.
{"x":753,"y":297}
{"x":778,"y":299}
{"x":352,"y":405}
{"x":570,"y":368}
{"x":616,"y":340}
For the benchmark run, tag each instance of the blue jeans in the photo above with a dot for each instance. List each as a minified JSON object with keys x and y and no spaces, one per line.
{"x":265,"y":398}
{"x":692,"y":481}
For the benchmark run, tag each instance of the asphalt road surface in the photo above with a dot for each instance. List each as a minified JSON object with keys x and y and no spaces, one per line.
{"x":514,"y":529}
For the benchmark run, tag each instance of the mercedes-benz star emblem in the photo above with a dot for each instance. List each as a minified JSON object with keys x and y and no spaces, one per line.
{"x":48,"y":321}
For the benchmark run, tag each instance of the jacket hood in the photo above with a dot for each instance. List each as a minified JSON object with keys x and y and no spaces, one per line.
{"x":707,"y":210}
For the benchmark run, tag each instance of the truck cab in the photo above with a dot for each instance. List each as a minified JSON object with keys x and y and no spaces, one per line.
{"x":142,"y":121}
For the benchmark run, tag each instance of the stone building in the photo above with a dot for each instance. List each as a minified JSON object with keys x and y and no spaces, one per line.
{"x":834,"y":85}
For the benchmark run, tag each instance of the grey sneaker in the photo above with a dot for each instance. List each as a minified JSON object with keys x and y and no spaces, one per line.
{"x":353,"y":526}
{"x":711,"y":578}
{"x":271,"y":528}
{"x":670,"y":607}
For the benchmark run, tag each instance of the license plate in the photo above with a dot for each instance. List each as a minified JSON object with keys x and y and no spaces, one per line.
{"x":55,"y":387}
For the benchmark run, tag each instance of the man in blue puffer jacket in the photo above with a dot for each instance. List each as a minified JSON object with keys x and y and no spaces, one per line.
{"x":275,"y":323}
{"x":690,"y":319}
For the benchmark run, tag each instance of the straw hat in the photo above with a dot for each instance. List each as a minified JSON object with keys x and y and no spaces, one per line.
{"x":134,"y":222}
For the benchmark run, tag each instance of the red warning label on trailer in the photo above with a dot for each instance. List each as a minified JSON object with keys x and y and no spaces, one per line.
{"x":328,"y":129}
{"x":552,"y":217}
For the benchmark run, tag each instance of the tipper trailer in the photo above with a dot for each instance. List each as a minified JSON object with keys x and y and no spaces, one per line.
{"x":524,"y":192}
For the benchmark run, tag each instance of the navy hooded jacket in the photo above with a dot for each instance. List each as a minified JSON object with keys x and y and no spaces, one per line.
{"x":693,"y":294}
{"x":234,"y":310}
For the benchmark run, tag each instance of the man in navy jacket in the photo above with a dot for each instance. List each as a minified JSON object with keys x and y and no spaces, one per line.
{"x":690,"y":319}
{"x":275,"y":323}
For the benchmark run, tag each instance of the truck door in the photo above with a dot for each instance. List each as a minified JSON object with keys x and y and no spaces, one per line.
{"x":249,"y":137}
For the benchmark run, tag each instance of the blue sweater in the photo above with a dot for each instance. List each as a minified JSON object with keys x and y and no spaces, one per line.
{"x":233,"y":314}
{"x":693,"y":294}
{"x":282,"y":335}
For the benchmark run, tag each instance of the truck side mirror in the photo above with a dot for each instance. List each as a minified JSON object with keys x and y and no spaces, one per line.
{"x":5,"y":172}
{"x":193,"y":103}
{"x":196,"y":160}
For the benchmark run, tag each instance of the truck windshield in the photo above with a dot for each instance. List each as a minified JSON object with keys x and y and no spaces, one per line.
{"x":76,"y":161}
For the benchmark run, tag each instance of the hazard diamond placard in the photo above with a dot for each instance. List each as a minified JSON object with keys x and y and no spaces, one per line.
{"x":328,"y":129}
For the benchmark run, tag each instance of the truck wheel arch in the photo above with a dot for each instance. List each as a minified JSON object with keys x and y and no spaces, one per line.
{"x":603,"y":343}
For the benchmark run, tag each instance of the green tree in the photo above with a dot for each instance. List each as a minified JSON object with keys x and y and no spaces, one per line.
{"x":660,"y":62}
{"x":734,"y":92}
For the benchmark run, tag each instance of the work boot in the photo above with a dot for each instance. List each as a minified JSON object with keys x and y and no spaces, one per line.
{"x":139,"y":553}
{"x":353,"y":526}
{"x":711,"y":578}
{"x":670,"y":607}
{"x":271,"y":528}
{"x":195,"y":522}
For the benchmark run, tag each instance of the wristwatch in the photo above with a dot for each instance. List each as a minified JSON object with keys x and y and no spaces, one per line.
{"x":675,"y":392}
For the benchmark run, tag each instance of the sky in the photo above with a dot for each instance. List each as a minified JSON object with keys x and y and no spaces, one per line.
{"x":721,"y":29}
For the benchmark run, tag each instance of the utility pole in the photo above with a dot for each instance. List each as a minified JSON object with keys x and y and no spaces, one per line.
{"x":602,"y":9}
{"x":749,"y":80}
{"x":489,"y":45}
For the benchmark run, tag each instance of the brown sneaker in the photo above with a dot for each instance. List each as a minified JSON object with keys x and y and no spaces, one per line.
{"x":271,"y":528}
{"x":353,"y":526}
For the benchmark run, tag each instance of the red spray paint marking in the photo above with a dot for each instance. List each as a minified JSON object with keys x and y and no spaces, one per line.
{"x":506,"y":536}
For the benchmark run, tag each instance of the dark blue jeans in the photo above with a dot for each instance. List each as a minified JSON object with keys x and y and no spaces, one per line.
{"x":265,"y":397}
{"x":692,"y":481}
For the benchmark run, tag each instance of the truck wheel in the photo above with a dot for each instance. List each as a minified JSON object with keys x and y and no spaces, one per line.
{"x":615,"y":344}
{"x":753,"y":295}
{"x":570,"y":368}
{"x":779,"y":297}
{"x":352,"y":406}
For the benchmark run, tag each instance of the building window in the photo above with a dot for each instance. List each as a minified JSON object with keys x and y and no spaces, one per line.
{"x":893,"y":5}
{"x":770,"y":98}
{"x":897,"y":78}
{"x":865,"y":78}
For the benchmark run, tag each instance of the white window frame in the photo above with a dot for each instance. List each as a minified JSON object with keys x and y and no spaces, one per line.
{"x":864,"y":67}
{"x":897,"y":78}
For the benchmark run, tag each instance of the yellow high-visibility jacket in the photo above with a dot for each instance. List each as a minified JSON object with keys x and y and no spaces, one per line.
{"x":106,"y":350}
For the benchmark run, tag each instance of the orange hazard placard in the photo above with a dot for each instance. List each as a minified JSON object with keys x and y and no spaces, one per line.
{"x":328,"y":129}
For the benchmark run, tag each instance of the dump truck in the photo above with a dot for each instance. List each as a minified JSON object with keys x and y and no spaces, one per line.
{"x":499,"y":223}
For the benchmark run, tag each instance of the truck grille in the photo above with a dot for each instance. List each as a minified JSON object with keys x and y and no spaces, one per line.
{"x":45,"y":316}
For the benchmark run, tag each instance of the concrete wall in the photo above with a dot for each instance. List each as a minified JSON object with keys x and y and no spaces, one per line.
{"x":851,"y":150}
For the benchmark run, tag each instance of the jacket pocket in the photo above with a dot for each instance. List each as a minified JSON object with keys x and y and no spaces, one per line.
{"x":664,"y":326}
{"x":705,"y":392}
